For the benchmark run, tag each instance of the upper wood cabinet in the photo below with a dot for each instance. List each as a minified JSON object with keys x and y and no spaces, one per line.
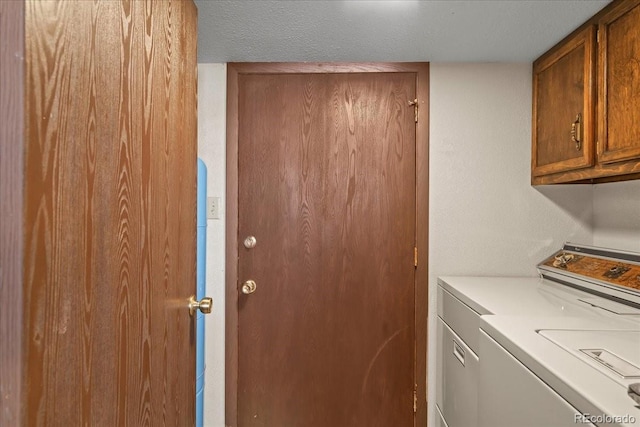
{"x":619,"y":83}
{"x":586,"y":101}
{"x":563,"y":106}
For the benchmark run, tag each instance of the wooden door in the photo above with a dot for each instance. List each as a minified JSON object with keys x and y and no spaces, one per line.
{"x":327,"y":186}
{"x":619,"y":88}
{"x":563,"y":107}
{"x":109,"y":213}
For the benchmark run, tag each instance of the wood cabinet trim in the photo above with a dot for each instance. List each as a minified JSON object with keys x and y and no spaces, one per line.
{"x":325,"y":67}
{"x":600,"y":173}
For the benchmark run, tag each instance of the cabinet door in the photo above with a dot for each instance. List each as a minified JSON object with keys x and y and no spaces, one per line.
{"x":563,"y":107}
{"x":619,"y":88}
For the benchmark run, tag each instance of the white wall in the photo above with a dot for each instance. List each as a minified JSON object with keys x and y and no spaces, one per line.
{"x":616,"y":219}
{"x":485,"y":218}
{"x":212,"y":103}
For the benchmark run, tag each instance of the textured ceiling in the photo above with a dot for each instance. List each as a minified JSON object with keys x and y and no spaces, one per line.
{"x":395,"y":30}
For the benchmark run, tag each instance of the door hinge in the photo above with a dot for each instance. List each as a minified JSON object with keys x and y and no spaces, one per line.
{"x":415,"y":108}
{"x":415,"y":256}
{"x":415,"y":401}
{"x":598,"y":36}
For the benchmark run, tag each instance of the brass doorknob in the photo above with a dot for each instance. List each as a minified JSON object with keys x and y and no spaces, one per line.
{"x":249,"y":287}
{"x":205,"y":305}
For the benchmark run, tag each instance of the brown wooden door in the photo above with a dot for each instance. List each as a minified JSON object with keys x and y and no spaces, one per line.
{"x":619,"y":89}
{"x":563,"y":94}
{"x":327,"y":186}
{"x":109,"y":213}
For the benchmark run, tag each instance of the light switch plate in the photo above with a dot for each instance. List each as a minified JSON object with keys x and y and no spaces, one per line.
{"x":213,"y":207}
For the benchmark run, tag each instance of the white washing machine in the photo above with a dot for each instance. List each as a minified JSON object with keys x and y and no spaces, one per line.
{"x":502,"y":362}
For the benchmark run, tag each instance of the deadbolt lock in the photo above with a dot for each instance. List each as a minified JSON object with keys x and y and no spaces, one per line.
{"x":250,"y":242}
{"x":249,"y":287}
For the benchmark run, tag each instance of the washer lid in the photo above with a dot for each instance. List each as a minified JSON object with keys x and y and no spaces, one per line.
{"x":615,"y":353}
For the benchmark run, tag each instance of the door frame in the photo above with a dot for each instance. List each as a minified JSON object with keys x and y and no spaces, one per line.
{"x":234,"y":70}
{"x":12,"y":179}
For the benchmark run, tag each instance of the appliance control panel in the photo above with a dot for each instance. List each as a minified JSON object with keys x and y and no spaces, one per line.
{"x":615,"y":268}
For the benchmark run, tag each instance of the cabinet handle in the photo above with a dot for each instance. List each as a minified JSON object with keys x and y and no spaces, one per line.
{"x":576,"y":132}
{"x":458,"y":352}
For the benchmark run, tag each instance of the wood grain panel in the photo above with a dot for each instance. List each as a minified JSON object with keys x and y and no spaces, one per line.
{"x":327,"y":186}
{"x":554,"y":141}
{"x":12,"y":145}
{"x":369,"y":235}
{"x":619,"y":89}
{"x":110,"y":212}
{"x":564,"y":85}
